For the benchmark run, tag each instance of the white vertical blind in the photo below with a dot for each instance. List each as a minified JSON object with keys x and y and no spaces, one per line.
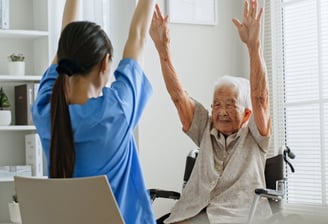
{"x":301,"y":95}
{"x":304,"y":23}
{"x":97,"y":11}
{"x":272,"y":52}
{"x":303,"y":136}
{"x":325,"y":122}
{"x":323,"y":45}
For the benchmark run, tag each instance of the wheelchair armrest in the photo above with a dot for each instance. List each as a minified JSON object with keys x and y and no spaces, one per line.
{"x":270,"y":193}
{"x":157,"y":193}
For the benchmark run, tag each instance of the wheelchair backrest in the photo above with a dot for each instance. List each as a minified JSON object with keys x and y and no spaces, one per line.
{"x":274,"y":170}
{"x":190,"y":162}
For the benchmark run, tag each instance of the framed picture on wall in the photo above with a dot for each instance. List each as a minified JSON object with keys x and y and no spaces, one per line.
{"x":202,"y":12}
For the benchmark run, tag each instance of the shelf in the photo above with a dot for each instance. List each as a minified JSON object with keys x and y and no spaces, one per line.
{"x":33,"y":23}
{"x":11,"y":179}
{"x":19,"y":78}
{"x":25,"y":34}
{"x":6,"y":179}
{"x":18,"y":128}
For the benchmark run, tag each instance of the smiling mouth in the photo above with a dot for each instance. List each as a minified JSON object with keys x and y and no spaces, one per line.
{"x":223,"y":119}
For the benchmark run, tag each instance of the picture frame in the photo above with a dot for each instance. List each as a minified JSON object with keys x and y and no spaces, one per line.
{"x":200,"y":12}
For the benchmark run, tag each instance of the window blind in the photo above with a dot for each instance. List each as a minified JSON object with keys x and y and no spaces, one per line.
{"x":304,"y":24}
{"x":303,"y":96}
{"x":98,"y":12}
{"x":272,"y":45}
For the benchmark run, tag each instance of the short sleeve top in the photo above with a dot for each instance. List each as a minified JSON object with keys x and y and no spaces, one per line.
{"x":103,"y":130}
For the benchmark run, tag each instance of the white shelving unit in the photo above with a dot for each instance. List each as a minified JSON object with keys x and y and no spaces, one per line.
{"x":17,"y":34}
{"x":6,"y":179}
{"x":10,"y":78}
{"x":17,"y":128}
{"x":28,"y":33}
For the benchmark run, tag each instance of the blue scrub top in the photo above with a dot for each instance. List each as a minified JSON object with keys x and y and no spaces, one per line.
{"x":104,"y":136}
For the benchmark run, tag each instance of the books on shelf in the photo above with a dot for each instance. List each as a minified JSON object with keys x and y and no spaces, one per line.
{"x":24,"y":97}
{"x":34,"y":154}
{"x":4,"y":14}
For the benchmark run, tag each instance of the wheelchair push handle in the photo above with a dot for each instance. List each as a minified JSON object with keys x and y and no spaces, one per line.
{"x":289,"y":154}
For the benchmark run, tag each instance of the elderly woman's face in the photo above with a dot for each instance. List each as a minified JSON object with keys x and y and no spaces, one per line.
{"x":227,"y":114}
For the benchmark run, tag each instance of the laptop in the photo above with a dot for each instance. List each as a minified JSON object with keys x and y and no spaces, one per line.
{"x":87,"y":200}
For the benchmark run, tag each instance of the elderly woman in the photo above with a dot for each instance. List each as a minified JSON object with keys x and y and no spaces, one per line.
{"x":233,"y":139}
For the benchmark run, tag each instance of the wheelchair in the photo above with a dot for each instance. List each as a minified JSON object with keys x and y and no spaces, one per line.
{"x":274,"y":176}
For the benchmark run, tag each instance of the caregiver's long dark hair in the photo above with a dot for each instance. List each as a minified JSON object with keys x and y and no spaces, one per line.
{"x":82,"y":46}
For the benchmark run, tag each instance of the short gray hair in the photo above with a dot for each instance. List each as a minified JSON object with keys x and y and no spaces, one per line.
{"x":242,"y":88}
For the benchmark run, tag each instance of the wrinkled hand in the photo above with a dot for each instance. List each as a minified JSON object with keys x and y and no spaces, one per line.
{"x":249,"y":29}
{"x":159,"y":30}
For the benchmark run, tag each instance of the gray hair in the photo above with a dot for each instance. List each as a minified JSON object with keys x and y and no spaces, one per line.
{"x":241,"y":86}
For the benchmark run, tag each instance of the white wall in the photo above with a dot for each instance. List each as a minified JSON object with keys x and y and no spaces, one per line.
{"x":201,"y":54}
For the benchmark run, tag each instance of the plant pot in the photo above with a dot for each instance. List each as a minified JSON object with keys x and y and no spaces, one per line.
{"x":5,"y":117}
{"x":16,"y":67}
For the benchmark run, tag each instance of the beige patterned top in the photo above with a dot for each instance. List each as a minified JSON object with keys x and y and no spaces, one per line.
{"x":225,"y":174}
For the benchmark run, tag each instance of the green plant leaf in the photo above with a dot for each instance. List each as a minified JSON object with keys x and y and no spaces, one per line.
{"x":4,"y":101}
{"x":16,"y":57}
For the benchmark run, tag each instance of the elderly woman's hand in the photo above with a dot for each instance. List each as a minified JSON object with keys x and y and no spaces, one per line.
{"x":159,"y":31}
{"x":249,"y":29}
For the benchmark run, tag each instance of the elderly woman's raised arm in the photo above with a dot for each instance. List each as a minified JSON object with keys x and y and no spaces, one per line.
{"x":249,"y":32}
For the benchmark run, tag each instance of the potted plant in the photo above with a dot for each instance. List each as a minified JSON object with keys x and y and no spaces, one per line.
{"x":5,"y":113}
{"x":16,"y":64}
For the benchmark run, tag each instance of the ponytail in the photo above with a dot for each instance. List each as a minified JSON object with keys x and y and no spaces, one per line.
{"x":62,"y":150}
